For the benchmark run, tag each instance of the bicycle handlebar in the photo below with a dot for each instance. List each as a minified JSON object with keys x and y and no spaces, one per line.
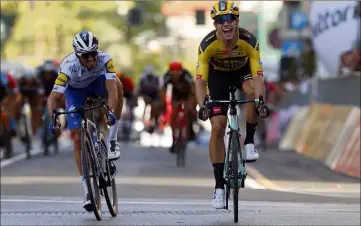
{"x":81,"y":110}
{"x":235,"y":102}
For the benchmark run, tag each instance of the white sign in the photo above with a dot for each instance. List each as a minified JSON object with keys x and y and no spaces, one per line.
{"x":334,"y":28}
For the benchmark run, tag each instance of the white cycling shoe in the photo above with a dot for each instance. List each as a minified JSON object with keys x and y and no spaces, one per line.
{"x":218,"y":198}
{"x":251,"y":153}
{"x":113,"y":151}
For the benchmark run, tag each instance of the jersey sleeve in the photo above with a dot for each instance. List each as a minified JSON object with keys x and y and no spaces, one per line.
{"x":253,"y":53}
{"x":202,"y":64}
{"x":110,"y":72}
{"x":61,"y":82}
{"x":255,"y":61}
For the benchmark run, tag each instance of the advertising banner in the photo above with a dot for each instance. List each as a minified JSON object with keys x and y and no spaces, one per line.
{"x":335,"y":27}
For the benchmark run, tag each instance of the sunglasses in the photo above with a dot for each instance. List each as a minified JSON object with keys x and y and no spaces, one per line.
{"x":87,"y":55}
{"x":225,"y":18}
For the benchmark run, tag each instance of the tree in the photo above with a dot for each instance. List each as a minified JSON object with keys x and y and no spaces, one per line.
{"x":47,"y":30}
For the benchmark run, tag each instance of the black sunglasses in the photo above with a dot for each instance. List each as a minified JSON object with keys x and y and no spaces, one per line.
{"x":86,"y":55}
{"x":225,"y":18}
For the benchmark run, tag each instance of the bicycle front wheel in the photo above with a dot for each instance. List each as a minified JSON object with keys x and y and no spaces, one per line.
{"x":235,"y":151}
{"x":180,"y":147}
{"x":89,"y":172}
{"x":109,"y":186}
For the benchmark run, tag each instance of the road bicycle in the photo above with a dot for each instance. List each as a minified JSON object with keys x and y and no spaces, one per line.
{"x":98,"y":170}
{"x":235,"y":172}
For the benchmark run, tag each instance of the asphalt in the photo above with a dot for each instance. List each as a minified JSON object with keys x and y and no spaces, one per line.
{"x":282,"y":188}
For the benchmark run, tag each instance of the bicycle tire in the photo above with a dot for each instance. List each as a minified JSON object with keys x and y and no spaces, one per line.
{"x":112,"y":204}
{"x":88,"y":163}
{"x":180,"y":148}
{"x":27,"y":138}
{"x":235,"y":152}
{"x":227,"y":183}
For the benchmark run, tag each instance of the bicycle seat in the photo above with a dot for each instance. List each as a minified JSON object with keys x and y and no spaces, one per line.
{"x":91,"y":100}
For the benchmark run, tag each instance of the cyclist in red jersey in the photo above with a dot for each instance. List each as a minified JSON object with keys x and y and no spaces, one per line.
{"x":183,"y":90}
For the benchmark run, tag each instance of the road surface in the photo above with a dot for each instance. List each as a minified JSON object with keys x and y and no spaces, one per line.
{"x":283,"y":188}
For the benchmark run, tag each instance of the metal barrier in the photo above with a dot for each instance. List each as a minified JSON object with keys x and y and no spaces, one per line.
{"x":338,"y":91}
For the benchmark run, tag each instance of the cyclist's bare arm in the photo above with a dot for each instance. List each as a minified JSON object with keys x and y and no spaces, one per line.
{"x":111,"y":86}
{"x":201,"y":91}
{"x":53,"y":100}
{"x":259,"y":87}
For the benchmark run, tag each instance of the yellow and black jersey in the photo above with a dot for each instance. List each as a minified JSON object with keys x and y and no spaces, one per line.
{"x":245,"y":53}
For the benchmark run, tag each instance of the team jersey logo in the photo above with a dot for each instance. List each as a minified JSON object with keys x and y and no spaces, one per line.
{"x":110,"y":66}
{"x":61,"y":80}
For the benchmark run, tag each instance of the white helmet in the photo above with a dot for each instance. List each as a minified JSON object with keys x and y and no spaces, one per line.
{"x":149,"y":69}
{"x":85,"y":42}
{"x":29,"y":73}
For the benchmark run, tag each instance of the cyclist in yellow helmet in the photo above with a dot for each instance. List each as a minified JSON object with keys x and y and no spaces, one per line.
{"x":228,"y":55}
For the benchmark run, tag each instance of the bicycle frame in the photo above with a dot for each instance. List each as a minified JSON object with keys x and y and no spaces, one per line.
{"x":93,"y":135}
{"x":233,"y":125}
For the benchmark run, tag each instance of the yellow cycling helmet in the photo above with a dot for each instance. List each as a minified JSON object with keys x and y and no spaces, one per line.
{"x":223,"y":7}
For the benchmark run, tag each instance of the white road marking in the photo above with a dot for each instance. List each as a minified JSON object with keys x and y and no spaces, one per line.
{"x":180,"y":202}
{"x":33,"y":152}
{"x":22,"y":156}
{"x":124,"y":180}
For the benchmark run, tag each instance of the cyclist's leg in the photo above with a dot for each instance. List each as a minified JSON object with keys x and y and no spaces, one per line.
{"x":251,"y":118}
{"x":218,"y":86}
{"x":98,"y":88}
{"x":75,"y":98}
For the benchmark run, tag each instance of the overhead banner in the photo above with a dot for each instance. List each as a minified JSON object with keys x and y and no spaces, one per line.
{"x":335,"y":27}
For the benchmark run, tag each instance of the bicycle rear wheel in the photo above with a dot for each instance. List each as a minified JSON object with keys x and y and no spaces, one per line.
{"x":90,"y":174}
{"x":109,"y":186}
{"x":27,"y":139}
{"x":180,"y":148}
{"x":235,"y":183}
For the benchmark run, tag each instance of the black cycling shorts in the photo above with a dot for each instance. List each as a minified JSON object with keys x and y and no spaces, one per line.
{"x":219,"y":83}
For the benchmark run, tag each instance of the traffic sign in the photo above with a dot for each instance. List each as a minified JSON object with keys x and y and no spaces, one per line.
{"x":299,"y":20}
{"x":291,"y":48}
